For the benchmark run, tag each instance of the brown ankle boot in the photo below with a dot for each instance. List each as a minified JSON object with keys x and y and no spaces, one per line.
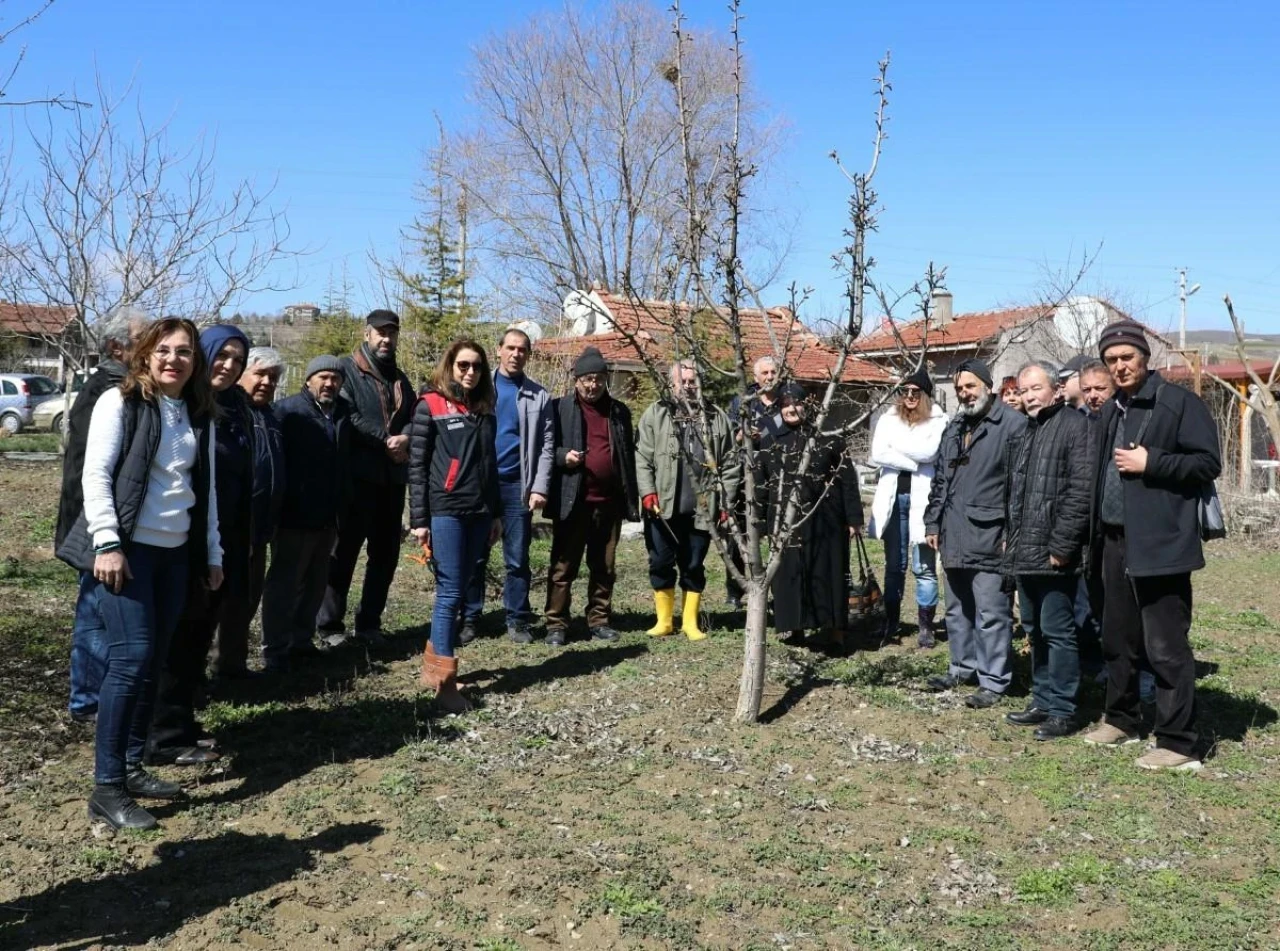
{"x":441,"y":675}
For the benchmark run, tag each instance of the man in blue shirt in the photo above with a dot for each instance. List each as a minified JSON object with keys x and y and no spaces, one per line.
{"x":525,"y":450}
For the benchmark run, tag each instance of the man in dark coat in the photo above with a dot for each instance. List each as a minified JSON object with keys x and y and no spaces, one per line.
{"x":380,"y":399}
{"x":965,"y":521}
{"x":115,"y":340}
{"x":593,"y":488}
{"x":810,"y":589}
{"x":1158,"y":451}
{"x":1050,"y":489}
{"x":315,"y":428}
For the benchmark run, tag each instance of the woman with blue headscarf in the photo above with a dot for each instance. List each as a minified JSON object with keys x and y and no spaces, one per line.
{"x":176,"y":737}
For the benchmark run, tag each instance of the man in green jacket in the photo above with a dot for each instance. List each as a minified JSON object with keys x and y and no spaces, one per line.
{"x":688,"y":474}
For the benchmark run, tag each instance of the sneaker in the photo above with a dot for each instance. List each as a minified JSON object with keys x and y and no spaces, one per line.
{"x":1055,"y":728}
{"x":1108,"y":735}
{"x":519,"y":634}
{"x":466,"y":633}
{"x":604,"y":633}
{"x":1168,"y":759}
{"x":555,"y":638}
{"x":982,"y":698}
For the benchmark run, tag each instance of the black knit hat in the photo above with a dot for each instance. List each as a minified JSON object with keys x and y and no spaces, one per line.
{"x":920,"y":379}
{"x":791,"y":391}
{"x":591,"y":360}
{"x":977,"y":368}
{"x":1123,"y":332}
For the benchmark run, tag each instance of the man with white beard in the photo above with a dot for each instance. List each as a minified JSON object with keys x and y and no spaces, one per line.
{"x":965,"y":521}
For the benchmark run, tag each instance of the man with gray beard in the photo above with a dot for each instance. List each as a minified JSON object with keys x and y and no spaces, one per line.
{"x":965,"y":521}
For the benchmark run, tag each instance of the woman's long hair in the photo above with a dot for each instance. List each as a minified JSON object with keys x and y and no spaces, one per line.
{"x":139,"y":382}
{"x":482,"y":399}
{"x":919,"y":414}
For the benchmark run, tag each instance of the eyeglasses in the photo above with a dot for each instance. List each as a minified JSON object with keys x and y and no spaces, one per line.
{"x":911,"y":391}
{"x":466,"y":366}
{"x":164,"y":353}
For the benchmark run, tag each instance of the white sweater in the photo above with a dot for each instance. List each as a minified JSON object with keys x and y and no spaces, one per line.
{"x":897,"y":447}
{"x":165,"y":518}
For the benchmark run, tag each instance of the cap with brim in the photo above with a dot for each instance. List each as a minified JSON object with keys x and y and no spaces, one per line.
{"x":383,"y":318}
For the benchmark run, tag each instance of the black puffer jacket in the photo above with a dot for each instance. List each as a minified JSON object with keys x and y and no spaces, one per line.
{"x":1051,"y":481}
{"x":570,"y":433}
{"x":1161,"y":506}
{"x":453,"y":465}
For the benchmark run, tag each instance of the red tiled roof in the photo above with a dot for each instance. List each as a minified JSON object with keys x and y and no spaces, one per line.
{"x":1233,"y":371}
{"x":964,"y":330}
{"x":34,"y":319}
{"x":808,"y":357}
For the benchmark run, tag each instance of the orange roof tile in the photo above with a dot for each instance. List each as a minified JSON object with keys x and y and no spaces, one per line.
{"x":964,"y":330}
{"x":648,"y":323}
{"x":34,"y":319}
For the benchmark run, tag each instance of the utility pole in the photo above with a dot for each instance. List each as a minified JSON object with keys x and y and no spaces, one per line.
{"x":1183,"y":293}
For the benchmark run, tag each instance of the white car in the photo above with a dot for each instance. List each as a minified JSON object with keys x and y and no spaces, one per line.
{"x":51,"y":414}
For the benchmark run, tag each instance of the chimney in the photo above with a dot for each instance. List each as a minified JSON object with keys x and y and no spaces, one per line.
{"x":941,"y":300}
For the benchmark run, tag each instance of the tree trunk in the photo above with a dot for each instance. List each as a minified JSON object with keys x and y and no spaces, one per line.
{"x":751,"y":692}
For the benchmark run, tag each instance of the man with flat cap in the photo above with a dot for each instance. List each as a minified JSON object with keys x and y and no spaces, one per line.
{"x":966,"y":520}
{"x":593,"y":488}
{"x":1069,"y":381}
{"x":315,"y":432}
{"x":1158,"y":451}
{"x":380,"y":399}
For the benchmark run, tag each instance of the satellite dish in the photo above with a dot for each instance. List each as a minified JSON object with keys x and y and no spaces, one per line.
{"x":531,"y":329}
{"x":579,"y":314}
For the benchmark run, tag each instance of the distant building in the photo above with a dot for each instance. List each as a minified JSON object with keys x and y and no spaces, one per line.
{"x":301,"y":313}
{"x":45,"y":337}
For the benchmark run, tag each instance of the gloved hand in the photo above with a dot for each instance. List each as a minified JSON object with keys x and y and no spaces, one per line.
{"x":650,"y":503}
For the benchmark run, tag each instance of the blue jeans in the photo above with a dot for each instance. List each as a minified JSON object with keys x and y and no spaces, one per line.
{"x":138,"y":623}
{"x":88,"y":653}
{"x":517,"y":530}
{"x":1050,"y":622}
{"x":923,"y":558}
{"x":456,"y":545}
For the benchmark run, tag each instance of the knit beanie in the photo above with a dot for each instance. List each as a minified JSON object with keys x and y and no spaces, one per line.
{"x":1123,"y":332}
{"x":920,"y":379}
{"x":591,"y":360}
{"x":322,"y":363}
{"x":213,"y":339}
{"x":977,"y":368}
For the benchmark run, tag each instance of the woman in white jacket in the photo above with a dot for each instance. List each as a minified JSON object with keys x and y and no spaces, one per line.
{"x":905,"y":446}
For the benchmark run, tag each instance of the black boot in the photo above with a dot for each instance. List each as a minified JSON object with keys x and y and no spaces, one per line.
{"x":925,"y":638}
{"x":112,"y":805}
{"x":892,"y":614}
{"x":138,"y":782}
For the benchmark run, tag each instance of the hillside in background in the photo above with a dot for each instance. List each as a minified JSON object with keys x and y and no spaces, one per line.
{"x":1220,"y":344}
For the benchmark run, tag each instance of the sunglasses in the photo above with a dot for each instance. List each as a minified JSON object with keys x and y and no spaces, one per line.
{"x":466,"y":366}
{"x":911,"y":391}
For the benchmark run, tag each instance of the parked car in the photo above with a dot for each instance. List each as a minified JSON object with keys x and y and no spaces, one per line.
{"x":20,"y":394}
{"x":50,"y":414}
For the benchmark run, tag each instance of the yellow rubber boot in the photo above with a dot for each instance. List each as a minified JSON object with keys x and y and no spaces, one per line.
{"x":664,"y":602}
{"x":692,"y":600}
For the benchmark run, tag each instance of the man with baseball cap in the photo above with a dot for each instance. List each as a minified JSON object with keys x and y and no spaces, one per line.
{"x":1158,"y":449}
{"x":593,"y":487}
{"x":315,"y":431}
{"x":1069,"y":380}
{"x":380,"y":399}
{"x":965,"y":521}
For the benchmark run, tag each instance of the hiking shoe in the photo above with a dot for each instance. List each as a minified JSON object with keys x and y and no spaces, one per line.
{"x":466,"y":633}
{"x":1108,"y":735}
{"x":1168,"y":759}
{"x":138,"y":782}
{"x":110,"y":803}
{"x":520,"y":634}
{"x":604,"y":633}
{"x":1055,"y":728}
{"x":982,"y":698}
{"x":555,"y":638}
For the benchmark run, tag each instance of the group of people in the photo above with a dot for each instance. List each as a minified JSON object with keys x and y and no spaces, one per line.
{"x":1079,"y":489}
{"x":182,"y":472}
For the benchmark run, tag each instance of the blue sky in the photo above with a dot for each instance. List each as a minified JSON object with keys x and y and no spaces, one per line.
{"x":1021,"y":132}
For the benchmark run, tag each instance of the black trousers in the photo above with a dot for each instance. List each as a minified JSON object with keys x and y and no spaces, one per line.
{"x":1148,"y":617}
{"x":231,"y":649}
{"x":173,"y":722}
{"x":676,"y":550}
{"x":373,"y":515}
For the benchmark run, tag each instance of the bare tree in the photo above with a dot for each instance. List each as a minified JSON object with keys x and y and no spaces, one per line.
{"x":113,"y":216}
{"x":574,"y":166}
{"x":1260,"y":397}
{"x":9,"y":70}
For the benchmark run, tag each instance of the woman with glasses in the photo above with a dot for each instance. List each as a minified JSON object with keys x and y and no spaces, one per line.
{"x":148,"y":479}
{"x":454,"y":508}
{"x":905,"y":446}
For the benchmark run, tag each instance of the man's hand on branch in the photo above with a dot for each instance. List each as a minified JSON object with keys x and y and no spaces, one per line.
{"x":650,"y":503}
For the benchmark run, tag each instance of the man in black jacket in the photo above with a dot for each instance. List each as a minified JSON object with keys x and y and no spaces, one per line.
{"x":593,"y":487}
{"x":1049,"y":490}
{"x":115,"y":340}
{"x":314,"y":427}
{"x":1158,"y":450}
{"x":380,"y":399}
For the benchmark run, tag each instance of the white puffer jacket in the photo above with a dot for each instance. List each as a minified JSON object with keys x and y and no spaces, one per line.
{"x":897,"y":447}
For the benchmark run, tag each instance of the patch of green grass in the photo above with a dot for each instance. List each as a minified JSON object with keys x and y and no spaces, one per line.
{"x":1059,"y":885}
{"x":220,"y":715}
{"x":101,"y":859}
{"x":31,"y":442}
{"x":499,"y":944}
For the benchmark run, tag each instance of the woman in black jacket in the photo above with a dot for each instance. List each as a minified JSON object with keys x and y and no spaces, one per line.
{"x":453,"y":497}
{"x":810,"y":589}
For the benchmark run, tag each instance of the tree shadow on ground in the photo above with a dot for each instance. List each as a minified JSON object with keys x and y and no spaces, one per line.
{"x":808,"y":681}
{"x":191,"y":879}
{"x":1227,"y":716}
{"x":573,"y":662}
{"x":278,"y":746}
